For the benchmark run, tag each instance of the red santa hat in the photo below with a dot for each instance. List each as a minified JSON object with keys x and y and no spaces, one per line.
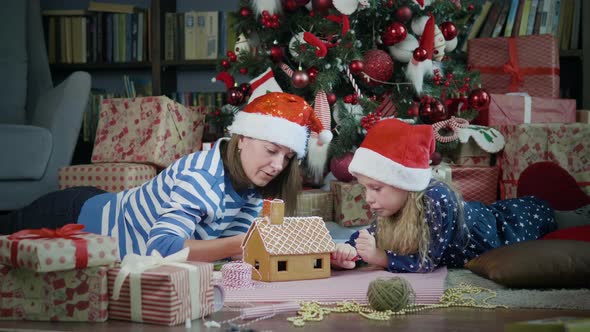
{"x":278,"y":117}
{"x":396,"y":153}
{"x":418,"y":68}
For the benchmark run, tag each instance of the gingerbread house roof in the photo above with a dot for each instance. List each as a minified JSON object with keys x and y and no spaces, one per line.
{"x":295,"y":236}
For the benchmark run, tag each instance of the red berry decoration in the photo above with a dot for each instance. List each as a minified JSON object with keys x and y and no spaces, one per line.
{"x":396,"y":32}
{"x":479,"y":99}
{"x":403,"y":14}
{"x":225,"y":63}
{"x":300,"y":79}
{"x":471,"y":7}
{"x":356,"y":67}
{"x":290,"y":5}
{"x":332,"y":98}
{"x":235,"y":96}
{"x":243,"y":70}
{"x":276,"y":53}
{"x":420,"y":54}
{"x":312,"y":72}
{"x":245,"y":12}
{"x":245,"y":88}
{"x":432,"y":110}
{"x":449,"y":30}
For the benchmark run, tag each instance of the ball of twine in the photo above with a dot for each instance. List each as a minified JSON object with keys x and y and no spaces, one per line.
{"x":237,"y":275}
{"x":390,"y":294}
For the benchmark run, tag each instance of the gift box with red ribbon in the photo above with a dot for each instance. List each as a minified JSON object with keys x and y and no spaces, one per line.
{"x":154,"y":130}
{"x":517,"y":64}
{"x":75,"y":295}
{"x":350,"y":207}
{"x":66,"y":248}
{"x":162,"y":290}
{"x":476,"y":183}
{"x":113,"y":177}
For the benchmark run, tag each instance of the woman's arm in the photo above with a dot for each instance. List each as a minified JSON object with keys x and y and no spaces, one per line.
{"x":216,"y":249}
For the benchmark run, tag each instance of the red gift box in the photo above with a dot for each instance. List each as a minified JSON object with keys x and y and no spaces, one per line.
{"x":476,"y":183}
{"x":517,"y":64}
{"x":518,"y":109}
{"x":113,"y":177}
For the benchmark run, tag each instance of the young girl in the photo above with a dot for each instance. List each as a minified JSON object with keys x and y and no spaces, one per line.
{"x":424,"y":223}
{"x":210,"y":195}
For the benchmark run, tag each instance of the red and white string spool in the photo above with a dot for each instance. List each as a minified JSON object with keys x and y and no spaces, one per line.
{"x":237,"y":275}
{"x":454,"y":124}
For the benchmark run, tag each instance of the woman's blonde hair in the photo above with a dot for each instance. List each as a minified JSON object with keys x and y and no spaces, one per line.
{"x":407,"y":232}
{"x":285,"y":186}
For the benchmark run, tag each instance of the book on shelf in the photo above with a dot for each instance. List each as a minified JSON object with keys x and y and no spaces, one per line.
{"x":110,"y":7}
{"x":502,"y":16}
{"x":532,"y":16}
{"x":492,"y":18}
{"x":511,"y":18}
{"x":477,"y":24}
{"x":524,"y":18}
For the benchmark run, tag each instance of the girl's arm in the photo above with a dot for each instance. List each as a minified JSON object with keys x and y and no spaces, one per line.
{"x":216,"y":249}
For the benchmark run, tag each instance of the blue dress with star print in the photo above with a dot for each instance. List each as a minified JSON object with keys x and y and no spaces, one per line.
{"x":456,"y":239}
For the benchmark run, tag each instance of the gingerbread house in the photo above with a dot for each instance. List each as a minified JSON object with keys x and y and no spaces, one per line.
{"x":287,"y":248}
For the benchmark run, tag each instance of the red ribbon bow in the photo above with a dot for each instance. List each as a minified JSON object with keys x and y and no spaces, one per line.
{"x":68,"y":232}
{"x":511,"y":67}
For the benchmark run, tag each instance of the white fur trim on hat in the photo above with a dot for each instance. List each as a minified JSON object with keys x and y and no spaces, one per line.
{"x":273,"y":129}
{"x":374,"y":165}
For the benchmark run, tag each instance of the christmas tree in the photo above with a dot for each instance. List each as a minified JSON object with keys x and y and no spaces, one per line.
{"x":359,"y":61}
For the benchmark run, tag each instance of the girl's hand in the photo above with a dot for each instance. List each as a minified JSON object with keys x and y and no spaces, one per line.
{"x":366,"y":247}
{"x":344,"y":256}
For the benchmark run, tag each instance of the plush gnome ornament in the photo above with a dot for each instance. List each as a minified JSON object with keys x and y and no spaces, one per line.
{"x":421,"y":63}
{"x":319,"y":135}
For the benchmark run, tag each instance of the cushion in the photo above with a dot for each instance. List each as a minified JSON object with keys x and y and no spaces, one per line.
{"x":27,"y":150}
{"x":536,"y":264}
{"x":579,"y":233}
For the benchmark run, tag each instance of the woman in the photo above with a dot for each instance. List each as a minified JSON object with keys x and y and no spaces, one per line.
{"x":206,"y":200}
{"x":423,"y":223}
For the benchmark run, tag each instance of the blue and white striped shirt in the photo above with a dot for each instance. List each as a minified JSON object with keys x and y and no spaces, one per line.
{"x":191,"y":199}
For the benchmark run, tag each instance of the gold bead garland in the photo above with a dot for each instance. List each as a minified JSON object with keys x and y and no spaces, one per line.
{"x":460,"y":296}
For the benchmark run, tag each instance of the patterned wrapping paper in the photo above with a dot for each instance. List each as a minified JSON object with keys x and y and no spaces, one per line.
{"x":565,"y":144}
{"x":58,"y":254}
{"x":74,"y":295}
{"x":113,"y":177}
{"x":583,"y":116}
{"x":476,"y":183}
{"x":165,"y":296}
{"x":350,"y":208}
{"x":511,"y":109}
{"x":470,"y":154}
{"x":315,"y":203}
{"x":155,"y":130}
{"x":530,"y":64}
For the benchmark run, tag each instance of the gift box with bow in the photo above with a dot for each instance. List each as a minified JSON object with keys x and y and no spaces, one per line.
{"x":65,"y":248}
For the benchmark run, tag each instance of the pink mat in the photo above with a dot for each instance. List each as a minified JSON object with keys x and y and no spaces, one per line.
{"x":342,"y":285}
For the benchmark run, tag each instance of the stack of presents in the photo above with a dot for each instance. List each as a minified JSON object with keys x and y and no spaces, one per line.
{"x":135,"y":139}
{"x":70,"y":275}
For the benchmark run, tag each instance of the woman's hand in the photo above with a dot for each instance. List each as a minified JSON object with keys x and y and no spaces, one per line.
{"x":344,"y":256}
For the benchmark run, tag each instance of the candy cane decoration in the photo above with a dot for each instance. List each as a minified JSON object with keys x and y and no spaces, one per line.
{"x":352,"y":81}
{"x":322,"y":109}
{"x":286,"y":69}
{"x":454,"y":124}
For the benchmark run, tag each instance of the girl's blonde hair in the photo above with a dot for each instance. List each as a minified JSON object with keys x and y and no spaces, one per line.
{"x":285,"y":186}
{"x":407,"y":232}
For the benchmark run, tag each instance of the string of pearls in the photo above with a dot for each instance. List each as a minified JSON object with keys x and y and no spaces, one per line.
{"x":460,"y":296}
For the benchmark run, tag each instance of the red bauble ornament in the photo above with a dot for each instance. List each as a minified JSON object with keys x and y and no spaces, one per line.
{"x":300,"y":79}
{"x":432,"y":110}
{"x":435,"y":158}
{"x":332,"y":98}
{"x":245,"y":88}
{"x":479,"y":99}
{"x":449,"y":30}
{"x":403,"y":14}
{"x":276,"y":53}
{"x":290,"y":5}
{"x":235,"y":96}
{"x":378,"y":66}
{"x":471,"y":7}
{"x":245,"y":11}
{"x":356,"y":66}
{"x":225,"y":63}
{"x":420,"y":54}
{"x":321,"y":6}
{"x":339,"y":167}
{"x":312,"y":72}
{"x":394,"y":33}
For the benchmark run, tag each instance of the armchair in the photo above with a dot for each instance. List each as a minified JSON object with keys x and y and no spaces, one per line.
{"x":39,"y":123}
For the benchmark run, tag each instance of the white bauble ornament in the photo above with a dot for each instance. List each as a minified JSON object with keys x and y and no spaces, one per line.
{"x":439,"y":44}
{"x":295,"y":42}
{"x":418,"y":24}
{"x":403,"y":51}
{"x":450,"y":45}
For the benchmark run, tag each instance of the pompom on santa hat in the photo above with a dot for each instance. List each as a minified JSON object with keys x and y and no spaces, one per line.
{"x":278,"y":117}
{"x":396,"y":153}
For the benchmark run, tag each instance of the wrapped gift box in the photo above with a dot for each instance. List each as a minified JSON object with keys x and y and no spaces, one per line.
{"x":350,"y":208}
{"x":164,"y":294}
{"x":73,"y":295}
{"x":517,"y":64}
{"x":155,"y":130}
{"x":565,"y":144}
{"x":583,"y":116}
{"x":518,"y":109}
{"x":44,"y":254}
{"x":470,"y":154}
{"x":113,"y":177}
{"x":476,"y":183}
{"x":315,"y":202}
